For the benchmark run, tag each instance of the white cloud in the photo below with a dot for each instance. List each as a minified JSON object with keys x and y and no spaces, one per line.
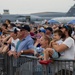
{"x":29,"y":6}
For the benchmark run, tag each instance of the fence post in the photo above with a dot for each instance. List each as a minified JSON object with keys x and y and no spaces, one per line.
{"x":11,"y":65}
{"x":45,"y":65}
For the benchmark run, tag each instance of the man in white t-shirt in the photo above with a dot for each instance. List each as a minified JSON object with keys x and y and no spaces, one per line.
{"x":68,"y":45}
{"x":68,"y":48}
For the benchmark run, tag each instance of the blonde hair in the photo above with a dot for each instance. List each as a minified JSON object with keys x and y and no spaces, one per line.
{"x":47,"y":38}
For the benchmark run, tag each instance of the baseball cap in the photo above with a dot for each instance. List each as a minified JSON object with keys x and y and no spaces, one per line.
{"x":68,"y":28}
{"x":42,"y":30}
{"x":15,"y":30}
{"x":25,"y":27}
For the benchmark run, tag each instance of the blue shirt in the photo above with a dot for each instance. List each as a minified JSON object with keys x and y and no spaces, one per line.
{"x":39,"y":50}
{"x":26,"y":44}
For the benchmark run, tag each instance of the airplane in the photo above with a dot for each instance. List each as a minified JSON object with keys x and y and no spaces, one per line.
{"x":49,"y":15}
{"x":59,"y":16}
{"x":70,"y":15}
{"x":64,"y":20}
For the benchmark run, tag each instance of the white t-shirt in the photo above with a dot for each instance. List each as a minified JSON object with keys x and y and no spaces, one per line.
{"x":59,"y":41}
{"x":70,"y":52}
{"x":13,"y":44}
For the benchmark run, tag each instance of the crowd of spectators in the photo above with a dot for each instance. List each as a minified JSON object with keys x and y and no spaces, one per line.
{"x":43,"y":41}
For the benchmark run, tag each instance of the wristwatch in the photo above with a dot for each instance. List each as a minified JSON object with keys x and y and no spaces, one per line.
{"x":22,"y":51}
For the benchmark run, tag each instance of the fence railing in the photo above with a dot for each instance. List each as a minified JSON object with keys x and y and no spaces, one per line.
{"x":29,"y":65}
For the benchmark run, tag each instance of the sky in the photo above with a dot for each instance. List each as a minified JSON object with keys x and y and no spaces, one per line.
{"x":34,"y":6}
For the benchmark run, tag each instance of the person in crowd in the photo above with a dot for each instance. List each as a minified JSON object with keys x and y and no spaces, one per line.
{"x":57,"y":38}
{"x":4,"y":32}
{"x":32,"y":32}
{"x":38,"y":35}
{"x":13,"y":41}
{"x":3,"y":46}
{"x":55,"y":27}
{"x":27,"y":44}
{"x":35,"y":30}
{"x":4,"y":28}
{"x":8,"y":22}
{"x":49,"y":32}
{"x":12,"y":27}
{"x":14,"y":52}
{"x":9,"y":40}
{"x":42,"y":32}
{"x":73,"y":32}
{"x":67,"y":47}
{"x":44,"y":42}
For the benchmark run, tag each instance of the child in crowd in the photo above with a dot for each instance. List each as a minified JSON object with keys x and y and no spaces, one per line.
{"x":44,"y":42}
{"x":50,"y":52}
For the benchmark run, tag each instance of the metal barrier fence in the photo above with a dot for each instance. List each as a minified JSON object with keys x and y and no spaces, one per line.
{"x":60,"y":67}
{"x":29,"y":65}
{"x":3,"y":64}
{"x":26,"y":65}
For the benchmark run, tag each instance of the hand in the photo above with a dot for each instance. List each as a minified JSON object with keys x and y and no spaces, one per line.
{"x":15,"y":54}
{"x":37,"y":42}
{"x":53,"y":41}
{"x":5,"y":49}
{"x":50,"y":51}
{"x":40,"y":57}
{"x":18,"y":54}
{"x":10,"y":53}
